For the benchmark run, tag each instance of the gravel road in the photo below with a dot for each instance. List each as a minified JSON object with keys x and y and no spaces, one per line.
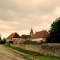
{"x":5,"y":54}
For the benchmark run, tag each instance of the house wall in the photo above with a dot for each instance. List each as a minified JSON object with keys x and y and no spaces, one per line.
{"x":39,"y":39}
{"x":15,"y":40}
{"x":23,"y":40}
{"x":7,"y":40}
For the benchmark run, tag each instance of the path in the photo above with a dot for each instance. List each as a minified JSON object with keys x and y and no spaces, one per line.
{"x":5,"y":54}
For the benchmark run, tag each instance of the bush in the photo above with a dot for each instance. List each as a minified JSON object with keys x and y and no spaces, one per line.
{"x":32,"y":42}
{"x":3,"y":41}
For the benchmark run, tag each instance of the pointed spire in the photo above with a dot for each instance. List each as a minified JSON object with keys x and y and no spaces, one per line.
{"x":31,"y":32}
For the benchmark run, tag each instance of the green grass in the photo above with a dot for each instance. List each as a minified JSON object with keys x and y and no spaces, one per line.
{"x":47,"y":58}
{"x":31,"y":54}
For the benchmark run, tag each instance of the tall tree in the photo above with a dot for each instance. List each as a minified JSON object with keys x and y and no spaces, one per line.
{"x":4,"y":41}
{"x":54,"y":32}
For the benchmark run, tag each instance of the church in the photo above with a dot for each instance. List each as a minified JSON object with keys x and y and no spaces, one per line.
{"x":38,"y":36}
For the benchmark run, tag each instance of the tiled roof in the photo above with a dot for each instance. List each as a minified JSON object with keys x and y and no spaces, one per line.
{"x":25,"y":36}
{"x":13,"y":35}
{"x":40,"y":34}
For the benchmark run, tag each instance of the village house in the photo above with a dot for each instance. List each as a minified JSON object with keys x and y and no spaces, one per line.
{"x":40,"y":36}
{"x":13,"y":38}
{"x":25,"y":37}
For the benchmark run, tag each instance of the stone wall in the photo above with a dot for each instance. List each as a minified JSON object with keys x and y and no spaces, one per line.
{"x":45,"y":49}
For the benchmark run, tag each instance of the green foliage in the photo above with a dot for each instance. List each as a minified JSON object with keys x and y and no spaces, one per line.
{"x":0,"y":38}
{"x":54,"y":32}
{"x":3,"y":41}
{"x":31,"y":42}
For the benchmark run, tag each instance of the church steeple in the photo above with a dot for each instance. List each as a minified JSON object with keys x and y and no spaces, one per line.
{"x":31,"y":32}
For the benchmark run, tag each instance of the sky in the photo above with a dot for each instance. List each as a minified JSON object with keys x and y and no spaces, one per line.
{"x":20,"y":15}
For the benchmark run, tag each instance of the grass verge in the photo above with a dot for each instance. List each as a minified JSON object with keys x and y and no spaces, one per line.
{"x":30,"y":54}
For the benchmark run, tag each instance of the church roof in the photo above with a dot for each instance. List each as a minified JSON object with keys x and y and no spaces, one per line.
{"x":40,"y":34}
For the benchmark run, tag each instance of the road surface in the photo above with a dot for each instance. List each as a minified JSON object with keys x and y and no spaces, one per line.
{"x":5,"y":54}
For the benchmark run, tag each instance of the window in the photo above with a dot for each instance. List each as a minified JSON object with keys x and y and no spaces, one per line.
{"x":11,"y":42}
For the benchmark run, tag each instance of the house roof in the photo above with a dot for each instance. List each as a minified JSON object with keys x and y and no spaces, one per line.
{"x":13,"y":35}
{"x":40,"y":34}
{"x":25,"y":36}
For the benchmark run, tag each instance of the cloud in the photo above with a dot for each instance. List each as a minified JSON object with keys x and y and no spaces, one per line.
{"x":21,"y":15}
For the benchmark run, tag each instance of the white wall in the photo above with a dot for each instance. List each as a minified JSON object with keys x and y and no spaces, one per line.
{"x":15,"y":40}
{"x":39,"y":39}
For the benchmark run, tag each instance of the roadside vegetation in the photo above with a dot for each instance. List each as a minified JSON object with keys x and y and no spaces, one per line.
{"x":31,"y":54}
{"x":32,"y":42}
{"x":2,"y":41}
{"x":54,"y":32}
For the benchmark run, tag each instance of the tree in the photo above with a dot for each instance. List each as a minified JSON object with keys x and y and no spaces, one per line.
{"x":0,"y":40}
{"x":54,"y":32}
{"x":3,"y":41}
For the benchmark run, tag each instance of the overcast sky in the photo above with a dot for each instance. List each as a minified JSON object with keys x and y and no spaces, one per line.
{"x":20,"y":15}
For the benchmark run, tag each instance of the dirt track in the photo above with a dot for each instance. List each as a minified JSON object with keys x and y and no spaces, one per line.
{"x":5,"y":54}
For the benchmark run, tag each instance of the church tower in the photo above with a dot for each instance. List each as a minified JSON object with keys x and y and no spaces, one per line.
{"x":31,"y":32}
